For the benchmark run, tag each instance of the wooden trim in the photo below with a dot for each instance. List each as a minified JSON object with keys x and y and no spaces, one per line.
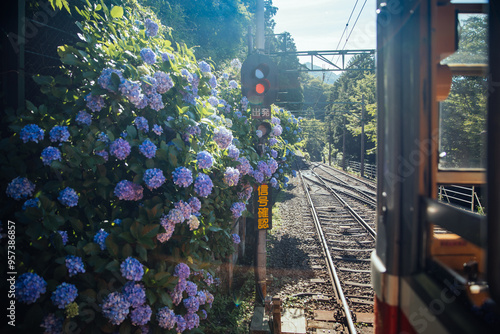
{"x":461,"y":177}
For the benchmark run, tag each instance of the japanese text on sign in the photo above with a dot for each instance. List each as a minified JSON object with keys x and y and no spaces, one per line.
{"x":259,"y":112}
{"x":264,"y":214}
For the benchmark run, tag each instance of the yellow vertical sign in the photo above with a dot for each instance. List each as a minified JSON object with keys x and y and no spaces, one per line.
{"x":264,"y":214}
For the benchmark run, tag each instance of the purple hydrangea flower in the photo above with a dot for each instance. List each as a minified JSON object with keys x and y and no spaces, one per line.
{"x":156,"y":102}
{"x":132,"y":91}
{"x":158,"y":130}
{"x":213,"y":101}
{"x":169,"y":230}
{"x":104,"y":154}
{"x":59,"y":133}
{"x":233,"y":84}
{"x":191,"y":288}
{"x":204,"y":66}
{"x":132,"y":269}
{"x":105,"y":80}
{"x":50,"y":154}
{"x":74,"y":265}
{"x":273,"y":165}
{"x":201,"y":297}
{"x":166,"y":318}
{"x":31,"y":132}
{"x":120,"y":148}
{"x":231,"y":176}
{"x":244,"y":167}
{"x":258,"y":176}
{"x":83,"y":118}
{"x":233,"y":152}
{"x":184,"y":208}
{"x":174,"y":216}
{"x":148,"y":56}
{"x":205,"y":160}
{"x":94,"y":102}
{"x":273,"y":141}
{"x":115,"y":307}
{"x":192,"y":320}
{"x":193,"y":130}
{"x":129,"y":191}
{"x":141,"y":315}
{"x":203,"y":185}
{"x":277,"y":130}
{"x":195,"y":204}
{"x":182,"y":271}
{"x":153,"y":178}
{"x":100,"y":238}
{"x":164,"y":82}
{"x":213,"y":81}
{"x":68,"y":197}
{"x":237,"y":209}
{"x":182,"y":177}
{"x":185,"y":73}
{"x":64,"y":237}
{"x":223,"y":137}
{"x":181,"y":323}
{"x":165,"y":56}
{"x":148,"y":85}
{"x":142,"y":124}
{"x":19,"y":188}
{"x":236,"y":238}
{"x":151,"y":28}
{"x":64,"y":294}
{"x":204,"y":315}
{"x":264,"y":168}
{"x":29,"y":287}
{"x":275,"y":120}
{"x":52,"y":324}
{"x":148,"y":149}
{"x":134,"y":293}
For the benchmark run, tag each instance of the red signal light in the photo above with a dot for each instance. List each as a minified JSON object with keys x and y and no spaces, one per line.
{"x":260,"y":89}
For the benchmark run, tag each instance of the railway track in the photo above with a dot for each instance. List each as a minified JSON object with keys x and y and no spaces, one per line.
{"x":345,"y":227}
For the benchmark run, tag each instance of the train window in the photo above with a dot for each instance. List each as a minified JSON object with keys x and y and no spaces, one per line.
{"x":462,"y":121}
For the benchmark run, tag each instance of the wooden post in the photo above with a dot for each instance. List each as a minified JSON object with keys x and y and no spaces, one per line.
{"x":362,"y":171}
{"x":276,"y":315}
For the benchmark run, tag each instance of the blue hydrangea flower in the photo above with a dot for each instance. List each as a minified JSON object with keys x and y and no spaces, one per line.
{"x":274,"y":182}
{"x":103,"y":137}
{"x":294,"y":173}
{"x":191,"y":288}
{"x":275,"y":120}
{"x":205,"y":160}
{"x":117,"y":221}
{"x":203,"y":185}
{"x":213,"y":81}
{"x":201,"y":297}
{"x":233,"y":152}
{"x":148,"y":85}
{"x":273,"y":141}
{"x":153,"y":178}
{"x":59,"y":133}
{"x":158,"y":130}
{"x":129,"y":191}
{"x":31,"y":132}
{"x":182,"y":177}
{"x":74,"y":265}
{"x":115,"y":307}
{"x":244,"y":103}
{"x":141,"y":315}
{"x":165,"y":56}
{"x":132,"y":269}
{"x":195,"y":204}
{"x":191,"y":304}
{"x":223,"y":137}
{"x":233,"y":84}
{"x":192,"y":320}
{"x":263,"y":167}
{"x":103,"y":153}
{"x":237,"y":209}
{"x":64,"y":236}
{"x":231,"y":176}
{"x":29,"y":287}
{"x":182,"y":271}
{"x":204,"y":66}
{"x":185,"y":73}
{"x":244,"y":167}
{"x":68,"y":197}
{"x":120,"y":148}
{"x":134,"y":293}
{"x":148,"y":56}
{"x":50,"y":154}
{"x":132,"y":91}
{"x":94,"y":102}
{"x":64,"y":294}
{"x":274,"y":153}
{"x":193,"y":130}
{"x":141,"y":124}
{"x":164,"y":82}
{"x":105,"y":80}
{"x":184,"y":208}
{"x":258,"y":176}
{"x":148,"y":149}
{"x":213,"y":101}
{"x":100,"y":238}
{"x":277,"y":130}
{"x":273,"y":165}
{"x":31,"y":203}
{"x":236,"y":238}
{"x":156,"y":101}
{"x":52,"y":324}
{"x":83,"y":118}
{"x":166,"y":318}
{"x":180,"y":323}
{"x":151,"y":28}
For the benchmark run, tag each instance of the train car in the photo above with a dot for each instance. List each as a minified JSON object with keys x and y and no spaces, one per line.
{"x":436,"y":267}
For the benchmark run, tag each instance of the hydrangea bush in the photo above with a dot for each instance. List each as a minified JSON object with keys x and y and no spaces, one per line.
{"x":125,"y":183}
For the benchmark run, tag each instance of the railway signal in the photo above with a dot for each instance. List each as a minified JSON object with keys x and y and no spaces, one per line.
{"x":259,"y":83}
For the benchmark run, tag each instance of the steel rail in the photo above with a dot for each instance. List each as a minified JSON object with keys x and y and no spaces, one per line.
{"x":369,"y":184}
{"x":355,"y":215}
{"x":331,"y":267}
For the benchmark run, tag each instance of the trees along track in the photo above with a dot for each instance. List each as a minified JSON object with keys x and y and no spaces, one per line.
{"x":347,"y":239}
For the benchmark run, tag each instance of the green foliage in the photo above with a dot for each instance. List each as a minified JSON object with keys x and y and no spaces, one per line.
{"x":189,"y":113}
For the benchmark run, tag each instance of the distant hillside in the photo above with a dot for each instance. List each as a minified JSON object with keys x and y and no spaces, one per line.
{"x":330,"y":77}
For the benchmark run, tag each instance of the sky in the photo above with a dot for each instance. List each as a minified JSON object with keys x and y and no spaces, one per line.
{"x":318,"y":24}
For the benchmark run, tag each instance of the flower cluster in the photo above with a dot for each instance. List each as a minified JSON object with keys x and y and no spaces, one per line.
{"x":100,"y":238}
{"x":148,"y":149}
{"x":237,"y":209}
{"x":163,"y":82}
{"x":195,"y":204}
{"x":120,"y":148}
{"x":83,"y":118}
{"x":94,"y":102}
{"x":236,"y":239}
{"x":115,"y":307}
{"x":105,"y":79}
{"x":134,"y":293}
{"x":132,"y":269}
{"x":223,"y":137}
{"x":29,"y":287}
{"x":20,"y":188}
{"x":182,"y":271}
{"x":205,"y":160}
{"x":233,"y":152}
{"x":203,"y":185}
{"x":166,"y":318}
{"x":64,"y":294}
{"x":129,"y":191}
{"x":142,"y":124}
{"x":74,"y":265}
{"x":151,"y":28}
{"x":231,"y":176}
{"x":153,"y":178}
{"x":148,"y":56}
{"x":32,"y":132}
{"x":68,"y":197}
{"x":182,"y":177}
{"x":52,"y":324}
{"x":141,"y":315}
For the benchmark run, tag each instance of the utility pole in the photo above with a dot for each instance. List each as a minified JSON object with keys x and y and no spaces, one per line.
{"x":259,"y":24}
{"x":362,"y":172}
